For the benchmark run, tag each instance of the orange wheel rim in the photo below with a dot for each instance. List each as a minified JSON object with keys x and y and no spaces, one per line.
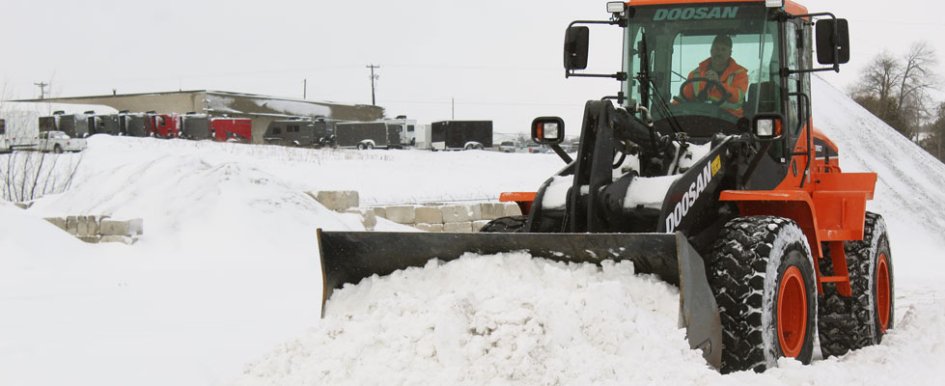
{"x":792,"y":312}
{"x":883,"y":293}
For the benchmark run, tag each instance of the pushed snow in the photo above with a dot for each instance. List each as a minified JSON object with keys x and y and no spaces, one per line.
{"x":442,"y":325}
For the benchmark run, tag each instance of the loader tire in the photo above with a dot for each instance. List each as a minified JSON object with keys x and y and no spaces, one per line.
{"x":505,"y":225}
{"x":861,"y":320}
{"x":762,"y":274}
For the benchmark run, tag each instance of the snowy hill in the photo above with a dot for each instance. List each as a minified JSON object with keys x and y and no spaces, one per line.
{"x":224,"y":288}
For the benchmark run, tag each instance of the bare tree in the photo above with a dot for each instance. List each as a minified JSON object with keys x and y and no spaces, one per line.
{"x":897,"y":90}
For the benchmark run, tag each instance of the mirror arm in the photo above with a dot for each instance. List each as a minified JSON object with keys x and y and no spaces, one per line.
{"x":561,"y":153}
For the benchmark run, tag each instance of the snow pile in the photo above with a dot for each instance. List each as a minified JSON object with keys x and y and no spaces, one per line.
{"x":516,"y":320}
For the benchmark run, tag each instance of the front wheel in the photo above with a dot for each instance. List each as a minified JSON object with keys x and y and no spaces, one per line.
{"x":850,"y":323}
{"x":505,"y":225}
{"x":762,"y":274}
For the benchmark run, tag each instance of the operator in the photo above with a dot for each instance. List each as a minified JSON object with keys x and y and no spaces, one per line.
{"x":719,"y":70}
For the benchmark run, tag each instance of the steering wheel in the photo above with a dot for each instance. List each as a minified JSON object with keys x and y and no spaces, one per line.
{"x":703,"y":95}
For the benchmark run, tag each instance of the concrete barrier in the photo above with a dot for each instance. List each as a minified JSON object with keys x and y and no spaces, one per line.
{"x":95,"y":229}
{"x":429,"y":217}
{"x":338,"y":201}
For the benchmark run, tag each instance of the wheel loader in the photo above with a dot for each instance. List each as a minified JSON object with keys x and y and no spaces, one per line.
{"x":720,"y":186}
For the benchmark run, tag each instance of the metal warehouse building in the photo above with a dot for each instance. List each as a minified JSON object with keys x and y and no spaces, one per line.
{"x":261,"y":108}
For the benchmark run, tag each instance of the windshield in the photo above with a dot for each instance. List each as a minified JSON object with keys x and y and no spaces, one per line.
{"x":708,"y":65}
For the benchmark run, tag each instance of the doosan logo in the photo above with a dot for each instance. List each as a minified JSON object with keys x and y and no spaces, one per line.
{"x":701,"y":13}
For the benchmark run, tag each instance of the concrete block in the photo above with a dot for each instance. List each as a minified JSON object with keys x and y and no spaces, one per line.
{"x":380,"y":211}
{"x":122,"y":228}
{"x":118,"y":239}
{"x":58,"y":222}
{"x":83,"y":226}
{"x":492,"y":210}
{"x":458,"y":227}
{"x":72,"y":225}
{"x":477,"y":225}
{"x":435,"y":228}
{"x":402,"y":214}
{"x":475,"y":212}
{"x":455,"y":213}
{"x":338,"y":201}
{"x":429,"y":215}
{"x":512,"y":209}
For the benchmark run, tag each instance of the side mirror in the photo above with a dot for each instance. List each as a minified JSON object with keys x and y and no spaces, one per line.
{"x":575,"y":48}
{"x":767,"y":126}
{"x":3,"y":127}
{"x":833,"y":48}
{"x":548,"y":130}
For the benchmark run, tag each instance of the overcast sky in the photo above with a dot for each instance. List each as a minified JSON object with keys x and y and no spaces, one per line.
{"x":498,"y":59}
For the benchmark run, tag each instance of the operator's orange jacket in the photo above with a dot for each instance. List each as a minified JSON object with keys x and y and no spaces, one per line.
{"x":734,"y":79}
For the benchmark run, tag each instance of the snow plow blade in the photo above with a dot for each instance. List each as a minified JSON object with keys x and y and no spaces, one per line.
{"x":349,"y":257}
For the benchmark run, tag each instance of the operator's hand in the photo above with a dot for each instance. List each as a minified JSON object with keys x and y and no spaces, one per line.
{"x":712,"y":75}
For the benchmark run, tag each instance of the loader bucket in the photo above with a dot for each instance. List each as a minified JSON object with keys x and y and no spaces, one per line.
{"x":349,"y":257}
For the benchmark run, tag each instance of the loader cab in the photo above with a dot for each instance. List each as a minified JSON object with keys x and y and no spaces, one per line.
{"x":672,"y":76}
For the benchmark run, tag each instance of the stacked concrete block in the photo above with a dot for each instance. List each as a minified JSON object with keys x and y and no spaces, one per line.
{"x":458,"y":227}
{"x":429,"y":215}
{"x":404,"y":214}
{"x":455,"y":213}
{"x":94,"y":229}
{"x":338,"y":201}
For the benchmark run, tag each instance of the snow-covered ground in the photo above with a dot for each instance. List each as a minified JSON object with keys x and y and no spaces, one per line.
{"x":224,"y":288}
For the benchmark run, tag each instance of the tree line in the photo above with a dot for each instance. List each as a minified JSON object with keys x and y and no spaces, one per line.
{"x":897,"y":89}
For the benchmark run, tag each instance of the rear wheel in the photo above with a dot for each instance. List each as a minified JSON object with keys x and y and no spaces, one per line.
{"x":861,"y":320}
{"x":762,"y":274}
{"x":505,"y":225}
{"x":57,"y":149}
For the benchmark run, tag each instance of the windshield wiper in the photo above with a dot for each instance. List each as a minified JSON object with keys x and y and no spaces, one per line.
{"x":646,"y":83}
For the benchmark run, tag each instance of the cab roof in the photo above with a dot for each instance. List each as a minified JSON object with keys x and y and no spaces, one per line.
{"x":790,"y":6}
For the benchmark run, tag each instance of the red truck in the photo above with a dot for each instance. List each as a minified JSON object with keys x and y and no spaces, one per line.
{"x":201,"y":126}
{"x":163,"y":125}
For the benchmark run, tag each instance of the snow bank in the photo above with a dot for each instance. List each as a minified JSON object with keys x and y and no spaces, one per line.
{"x":516,"y":320}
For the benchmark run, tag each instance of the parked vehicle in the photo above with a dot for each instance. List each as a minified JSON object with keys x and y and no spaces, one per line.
{"x":301,"y":132}
{"x":132,"y":124}
{"x":507,"y":147}
{"x":74,"y":125}
{"x":195,"y":126}
{"x":162,"y":125}
{"x":461,"y":135}
{"x":224,"y":129}
{"x":103,"y":124}
{"x":370,"y":135}
{"x":58,"y":142}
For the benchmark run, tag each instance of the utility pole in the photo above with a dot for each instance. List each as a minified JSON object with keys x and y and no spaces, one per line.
{"x":373,"y":78}
{"x":453,"y":108}
{"x":304,"y":88}
{"x":42,"y":89}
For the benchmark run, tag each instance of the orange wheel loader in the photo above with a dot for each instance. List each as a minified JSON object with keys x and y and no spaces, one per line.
{"x":704,"y":169}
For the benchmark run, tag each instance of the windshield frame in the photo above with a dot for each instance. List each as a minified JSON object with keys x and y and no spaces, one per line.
{"x":755,"y":25}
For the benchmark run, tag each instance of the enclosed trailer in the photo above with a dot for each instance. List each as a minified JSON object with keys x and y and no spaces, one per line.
{"x":132,"y":124}
{"x":195,"y":126}
{"x":301,"y":132}
{"x":369,"y":135}
{"x":163,"y":125}
{"x":104,"y":124}
{"x":231,"y":129}
{"x":461,"y":135}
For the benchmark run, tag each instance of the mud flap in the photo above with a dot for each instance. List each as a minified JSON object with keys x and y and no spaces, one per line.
{"x":349,"y":257}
